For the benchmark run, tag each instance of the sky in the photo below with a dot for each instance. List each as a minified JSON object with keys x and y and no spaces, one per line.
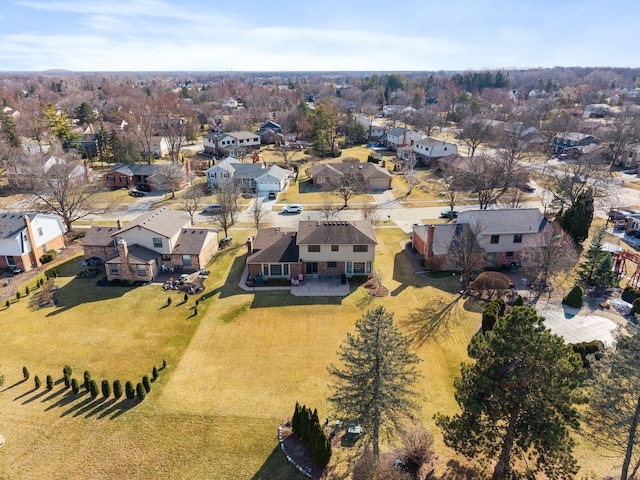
{"x":306,"y":35}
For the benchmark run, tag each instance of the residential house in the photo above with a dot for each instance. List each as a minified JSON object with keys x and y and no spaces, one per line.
{"x":630,"y":157}
{"x":573,"y":143}
{"x":229,"y":143}
{"x":374,"y":132}
{"x":502,"y":234}
{"x":230,"y":104}
{"x":397,"y":109}
{"x":318,"y":249}
{"x":222,"y":171}
{"x":369,"y":175}
{"x":596,"y":110}
{"x":159,"y":147}
{"x":455,"y":164}
{"x":25,"y":237}
{"x":269,"y":125}
{"x":23,"y":172}
{"x":161,"y":240}
{"x":429,"y":149}
{"x":400,"y":137}
{"x":256,"y":178}
{"x":138,"y":175}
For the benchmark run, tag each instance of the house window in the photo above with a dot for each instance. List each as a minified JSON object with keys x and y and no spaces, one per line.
{"x":509,"y":254}
{"x":186,"y":260}
{"x":335,"y":248}
{"x":495,"y":238}
{"x":358,"y":267}
{"x":123,"y":179}
{"x":157,"y":242}
{"x":517,"y":238}
{"x":11,"y":261}
{"x":166,"y":257}
{"x":113,"y":269}
{"x":285,"y":269}
{"x":320,"y":180}
{"x":142,"y":270}
{"x":40,"y":231}
{"x":349,"y":267}
{"x":111,"y":178}
{"x":332,"y":264}
{"x":368,"y":267}
{"x":265,"y":270}
{"x":313,"y":248}
{"x":276,"y":270}
{"x":361,"y":248}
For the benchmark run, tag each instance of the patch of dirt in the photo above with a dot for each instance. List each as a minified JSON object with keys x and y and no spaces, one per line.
{"x":376,"y":288}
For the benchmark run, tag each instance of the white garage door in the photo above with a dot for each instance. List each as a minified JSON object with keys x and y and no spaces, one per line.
{"x":379,"y":184}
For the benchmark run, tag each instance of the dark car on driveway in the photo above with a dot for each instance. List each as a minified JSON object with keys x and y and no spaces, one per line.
{"x":273,"y":195}
{"x":448,"y":214}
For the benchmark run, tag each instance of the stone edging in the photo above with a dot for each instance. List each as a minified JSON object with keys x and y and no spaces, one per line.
{"x":289,"y":459}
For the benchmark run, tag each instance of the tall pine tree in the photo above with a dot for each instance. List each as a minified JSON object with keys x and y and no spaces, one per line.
{"x":576,"y":220}
{"x":373,"y":386}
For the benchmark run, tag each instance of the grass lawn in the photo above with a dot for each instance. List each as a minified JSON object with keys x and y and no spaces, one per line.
{"x":234,"y":371}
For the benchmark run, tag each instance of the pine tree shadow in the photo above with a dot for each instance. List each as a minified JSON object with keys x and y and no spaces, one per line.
{"x":13,"y":385}
{"x":456,"y":471}
{"x":276,"y":466}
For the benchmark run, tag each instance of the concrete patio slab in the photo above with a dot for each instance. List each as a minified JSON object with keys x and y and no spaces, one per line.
{"x":579,"y":328}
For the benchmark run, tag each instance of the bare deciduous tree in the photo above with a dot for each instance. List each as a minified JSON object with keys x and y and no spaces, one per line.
{"x":486,"y":178}
{"x":327,"y":207}
{"x":227,"y":195}
{"x":258,"y":213}
{"x":369,"y":212}
{"x":474,"y":132}
{"x":193,"y":198}
{"x":169,"y":178}
{"x":467,"y":254}
{"x":552,"y":252}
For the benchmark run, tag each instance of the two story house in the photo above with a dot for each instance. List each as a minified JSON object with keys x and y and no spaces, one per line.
{"x":317,"y":249}
{"x":250,"y":177}
{"x":161,"y":240}
{"x":25,"y":237}
{"x":572,"y":143}
{"x":400,"y":137}
{"x":429,"y":149}
{"x":229,"y":143}
{"x":502,"y":235}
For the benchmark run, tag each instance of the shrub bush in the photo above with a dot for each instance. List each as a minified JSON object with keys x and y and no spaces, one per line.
{"x":25,"y":373}
{"x":27,"y":291}
{"x":49,"y":382}
{"x":47,"y":257}
{"x":519,"y":302}
{"x":93,"y":388}
{"x":37,"y":382}
{"x":7,"y":303}
{"x":169,"y":301}
{"x":186,"y":298}
{"x":75,"y":388}
{"x":117,"y":389}
{"x":66,"y":370}
{"x":146,"y":383}
{"x":18,"y":295}
{"x":87,"y":379}
{"x":67,"y":380}
{"x":635,"y":307}
{"x":140,"y":392}
{"x":575,"y":297}
{"x":154,"y":373}
{"x":587,"y":348}
{"x":106,"y":388}
{"x":164,"y":363}
{"x":129,"y":391}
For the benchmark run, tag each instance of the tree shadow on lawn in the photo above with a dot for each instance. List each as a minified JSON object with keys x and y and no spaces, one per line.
{"x":436,"y":318}
{"x":13,"y":385}
{"x":456,"y":471}
{"x":276,"y":466}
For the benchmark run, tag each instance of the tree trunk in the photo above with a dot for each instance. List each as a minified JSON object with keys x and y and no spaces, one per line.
{"x":503,"y":467}
{"x":630,"y":441}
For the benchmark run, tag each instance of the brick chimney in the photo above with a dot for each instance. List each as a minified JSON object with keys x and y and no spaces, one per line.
{"x":119,"y":223}
{"x":35,"y":261}
{"x":428,"y":248}
{"x":249,"y":245}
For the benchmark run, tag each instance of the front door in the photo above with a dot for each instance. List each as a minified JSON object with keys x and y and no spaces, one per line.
{"x":312,"y":267}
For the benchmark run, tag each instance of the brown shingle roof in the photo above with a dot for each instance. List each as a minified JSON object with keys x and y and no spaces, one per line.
{"x":274,"y":245}
{"x":193,"y":240}
{"x":356,"y":232}
{"x":163,"y":221}
{"x":99,"y":237}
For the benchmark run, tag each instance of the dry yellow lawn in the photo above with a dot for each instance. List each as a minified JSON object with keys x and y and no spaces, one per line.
{"x":234,"y":371}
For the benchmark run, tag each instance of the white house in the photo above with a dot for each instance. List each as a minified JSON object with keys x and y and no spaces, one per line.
{"x":227,"y":143}
{"x":221,"y":171}
{"x":428,"y":149}
{"x":374,"y":131}
{"x":387,"y":109}
{"x":399,"y":137}
{"x":256,"y":178}
{"x":24,"y":238}
{"x":230,"y":104}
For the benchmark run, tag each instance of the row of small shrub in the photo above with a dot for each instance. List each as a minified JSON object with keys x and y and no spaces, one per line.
{"x":91,"y":385}
{"x":306,"y":426}
{"x":630,"y":294}
{"x":588,"y":348}
{"x":492,"y":312}
{"x":48,"y":256}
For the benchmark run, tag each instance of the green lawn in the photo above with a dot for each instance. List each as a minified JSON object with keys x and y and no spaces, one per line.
{"x":234,"y":371}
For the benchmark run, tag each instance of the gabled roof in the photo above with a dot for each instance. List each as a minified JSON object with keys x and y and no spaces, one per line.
{"x":249,"y":170}
{"x":99,"y":237}
{"x":163,"y":221}
{"x":371,"y":170}
{"x":131,"y":169}
{"x":243,"y":134}
{"x":274,"y":245}
{"x":455,"y":161}
{"x":432,"y":142}
{"x":355,"y":232}
{"x":193,"y":240}
{"x":505,"y":220}
{"x":12,"y":223}
{"x":398,"y":131}
{"x":136,"y":252}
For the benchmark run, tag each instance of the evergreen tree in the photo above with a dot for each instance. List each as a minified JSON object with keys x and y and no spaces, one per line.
{"x":9,"y":130}
{"x":75,"y":388}
{"x":295,"y":420}
{"x":67,"y":380}
{"x":146,"y":384}
{"x":25,"y":373}
{"x":614,"y":402}
{"x":593,"y":258}
{"x":87,"y":379}
{"x":374,"y":386}
{"x":129,"y":391}
{"x":117,"y":389}
{"x":576,"y":220}
{"x":93,"y":388}
{"x":50,"y":382}
{"x":66,"y":370}
{"x":605,"y":276}
{"x":516,"y":399}
{"x":36,"y":381}
{"x":106,"y":388}
{"x":140,"y":392}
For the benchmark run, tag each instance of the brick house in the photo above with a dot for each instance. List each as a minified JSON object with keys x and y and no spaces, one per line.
{"x":161,"y":240}
{"x":369,"y":175}
{"x":502,"y":235}
{"x":25,"y":237}
{"x":218,"y":143}
{"x":134,"y":175}
{"x":318,"y":249}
